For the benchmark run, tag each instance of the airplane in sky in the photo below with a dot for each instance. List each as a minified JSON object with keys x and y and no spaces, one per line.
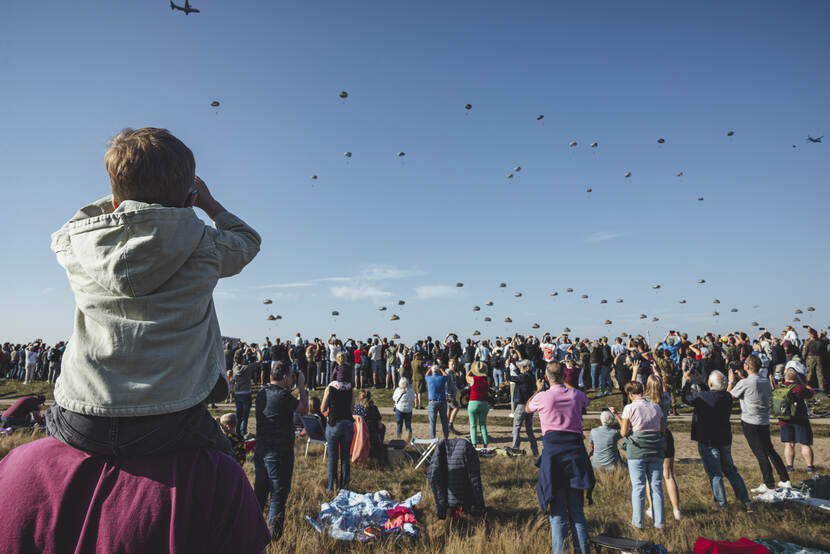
{"x":186,"y":9}
{"x":814,"y":140}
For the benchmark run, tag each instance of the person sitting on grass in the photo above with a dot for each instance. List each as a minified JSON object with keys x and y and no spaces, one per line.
{"x":229,"y":425}
{"x":604,"y":452}
{"x":25,"y":412}
{"x":145,"y":355}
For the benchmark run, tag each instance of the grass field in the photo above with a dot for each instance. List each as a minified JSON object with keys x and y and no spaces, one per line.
{"x":512,"y":522}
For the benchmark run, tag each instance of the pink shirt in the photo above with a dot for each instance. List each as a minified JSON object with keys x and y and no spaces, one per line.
{"x":560,"y":409}
{"x":643,"y":414}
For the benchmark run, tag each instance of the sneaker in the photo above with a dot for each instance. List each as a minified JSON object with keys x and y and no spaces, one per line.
{"x":790,"y":469}
{"x":762,"y":489}
{"x":785,"y":484}
{"x":677,"y":515}
{"x":648,"y":513}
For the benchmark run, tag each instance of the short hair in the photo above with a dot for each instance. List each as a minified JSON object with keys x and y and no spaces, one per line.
{"x":279,"y":370}
{"x":634,"y":387}
{"x":554,"y":372}
{"x":524,"y":363}
{"x":717,"y":380}
{"x":150,"y":165}
{"x":228,"y":420}
{"x":606,"y":418}
{"x":754,"y":362}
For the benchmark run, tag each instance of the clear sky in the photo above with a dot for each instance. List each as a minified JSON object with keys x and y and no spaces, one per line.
{"x":377,"y":228}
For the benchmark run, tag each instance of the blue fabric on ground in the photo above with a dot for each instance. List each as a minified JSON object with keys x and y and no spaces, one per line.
{"x":346,"y":517}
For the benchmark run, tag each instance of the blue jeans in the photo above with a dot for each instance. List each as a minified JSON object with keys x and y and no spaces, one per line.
{"x":273,"y":472}
{"x":243,"y":411}
{"x":439,"y":407}
{"x":595,"y":369}
{"x":717,"y":461}
{"x":321,"y":374}
{"x":605,"y":379}
{"x":498,"y":377}
{"x":642,"y":471}
{"x":339,"y":440}
{"x":402,"y":418}
{"x":567,"y":505}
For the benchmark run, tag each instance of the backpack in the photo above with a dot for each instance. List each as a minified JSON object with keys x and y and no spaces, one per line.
{"x":783,"y":403}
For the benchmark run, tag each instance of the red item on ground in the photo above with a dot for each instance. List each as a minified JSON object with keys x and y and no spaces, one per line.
{"x":250,"y":445}
{"x":740,"y":546}
{"x":398,"y":516}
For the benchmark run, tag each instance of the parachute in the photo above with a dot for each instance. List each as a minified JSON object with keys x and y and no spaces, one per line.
{"x":540,"y":117}
{"x":566,"y":330}
{"x":588,"y":190}
{"x":509,"y":175}
{"x":215,"y":104}
{"x":730,"y":133}
{"x":584,"y":297}
{"x":643,"y":316}
{"x":335,"y":313}
{"x":517,"y":295}
{"x":347,"y":154}
{"x":627,"y":174}
{"x":655,"y":287}
{"x":715,"y":314}
{"x":343,"y":94}
{"x":700,"y":199}
{"x":655,"y":319}
{"x":468,"y":106}
{"x":619,"y":300}
{"x":459,"y":284}
{"x":569,"y":289}
{"x":490,"y":303}
{"x":572,"y":144}
{"x":394,"y":317}
{"x":401,"y":154}
{"x":661,"y":140}
{"x":603,"y":301}
{"x":508,"y":320}
{"x":267,"y":301}
{"x":701,"y":281}
{"x":680,"y":174}
{"x":608,"y":322}
{"x":502,"y":285}
{"x":487,"y":319}
{"x":401,"y":302}
{"x":271,"y":318}
{"x":517,"y":169}
{"x":535,"y":325}
{"x":811,"y":309}
{"x":279,"y":316}
{"x":382,"y":308}
{"x":396,"y":336}
{"x":715,"y":301}
{"x":683,"y":301}
{"x":733,"y":310}
{"x":554,"y":293}
{"x":796,"y":319}
{"x":594,"y":144}
{"x":798,"y":312}
{"x":476,"y":309}
{"x":755,"y":324}
{"x":476,"y":333}
{"x":314,"y":177}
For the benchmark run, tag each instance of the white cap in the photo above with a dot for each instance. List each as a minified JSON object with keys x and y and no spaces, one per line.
{"x":797,"y":366}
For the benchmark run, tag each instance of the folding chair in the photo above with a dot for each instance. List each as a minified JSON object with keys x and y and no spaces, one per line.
{"x":424,"y":447}
{"x":621,"y":544}
{"x":314,"y":432}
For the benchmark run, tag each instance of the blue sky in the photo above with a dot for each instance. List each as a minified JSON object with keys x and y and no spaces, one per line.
{"x":376,"y":228}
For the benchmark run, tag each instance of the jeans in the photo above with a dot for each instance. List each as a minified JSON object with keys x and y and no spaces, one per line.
{"x":402,"y":418}
{"x":477,"y":412}
{"x":131,"y":437}
{"x":273,"y":472}
{"x":595,"y":369}
{"x":717,"y":461}
{"x":605,"y":379}
{"x":438,"y":407}
{"x":498,"y":377}
{"x":642,"y":471}
{"x":321,"y":373}
{"x":378,"y":370}
{"x":243,"y":411}
{"x":339,"y":440}
{"x":54,"y":371}
{"x":567,"y":505}
{"x":521,"y":417}
{"x":757,"y":436}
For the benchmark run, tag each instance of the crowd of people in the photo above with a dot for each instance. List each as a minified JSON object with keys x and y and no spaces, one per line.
{"x":134,"y":460}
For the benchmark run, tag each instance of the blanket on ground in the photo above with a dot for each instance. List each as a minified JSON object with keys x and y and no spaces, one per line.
{"x":792,"y":495}
{"x":350,"y":514}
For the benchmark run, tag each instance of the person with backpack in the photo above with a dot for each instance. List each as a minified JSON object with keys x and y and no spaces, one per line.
{"x":789,"y":406}
{"x":754,"y":394}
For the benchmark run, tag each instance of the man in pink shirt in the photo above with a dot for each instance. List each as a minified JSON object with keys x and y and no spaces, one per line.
{"x":560,"y":406}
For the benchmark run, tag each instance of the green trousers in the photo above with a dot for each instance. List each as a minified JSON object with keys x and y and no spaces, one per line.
{"x":477,"y":412}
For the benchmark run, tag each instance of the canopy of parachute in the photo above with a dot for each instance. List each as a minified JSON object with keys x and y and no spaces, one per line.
{"x":661,"y":141}
{"x":487,"y":319}
{"x":215,"y":104}
{"x":584,"y":297}
{"x":535,"y":326}
{"x":517,"y":169}
{"x":396,"y":336}
{"x":394,"y":318}
{"x":715,"y":313}
{"x":490,"y":303}
{"x":401,"y":154}
{"x":271,"y":318}
{"x":796,"y":319}
{"x":566,"y":330}
{"x":569,"y":289}
{"x":608,"y":322}
{"x":680,"y":174}
{"x":343,"y":94}
{"x":627,"y":174}
{"x":755,"y":324}
{"x":603,"y":301}
{"x":734,"y":310}
{"x":554,"y":293}
{"x":643,"y":316}
{"x":572,"y":144}
{"x":540,"y":117}
{"x":730,"y":133}
{"x":347,"y":154}
{"x":476,"y":333}
{"x":476,"y":308}
{"x":502,"y":285}
{"x":508,"y":320}
{"x":401,"y":302}
{"x":468,"y":107}
{"x":798,"y":312}
{"x":655,"y":287}
{"x":655,"y":319}
{"x":594,"y":144}
{"x":701,"y":281}
{"x":382,"y":308}
{"x":335,"y":313}
{"x":700,"y":199}
{"x":715,"y":301}
{"x":619,"y":300}
{"x":682,"y":301}
{"x":267,"y":301}
{"x":314,"y":177}
{"x":517,"y":295}
{"x":509,"y":175}
{"x":811,"y":309}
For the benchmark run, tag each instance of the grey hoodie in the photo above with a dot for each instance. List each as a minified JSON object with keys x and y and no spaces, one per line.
{"x":146,"y":339}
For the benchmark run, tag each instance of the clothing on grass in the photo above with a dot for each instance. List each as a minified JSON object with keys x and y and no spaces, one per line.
{"x":455,"y":477}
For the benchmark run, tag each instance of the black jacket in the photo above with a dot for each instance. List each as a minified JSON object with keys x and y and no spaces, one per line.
{"x":525,"y":387}
{"x":710,"y":422}
{"x":455,"y":477}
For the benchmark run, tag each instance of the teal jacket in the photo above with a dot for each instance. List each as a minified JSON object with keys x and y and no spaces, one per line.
{"x":644,"y":444}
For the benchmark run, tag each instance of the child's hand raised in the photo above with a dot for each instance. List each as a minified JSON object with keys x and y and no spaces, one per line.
{"x":204,"y":199}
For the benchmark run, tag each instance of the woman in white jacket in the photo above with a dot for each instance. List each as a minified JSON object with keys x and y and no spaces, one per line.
{"x":403,"y":397}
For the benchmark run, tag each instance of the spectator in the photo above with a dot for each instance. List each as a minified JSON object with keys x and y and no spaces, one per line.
{"x":525,"y":388}
{"x":604,"y":453}
{"x":436,"y":382}
{"x":564,"y":468}
{"x":641,"y":425}
{"x":797,"y":429}
{"x":24,"y":412}
{"x":656,"y":393}
{"x":713,"y":433}
{"x":418,"y":382}
{"x":452,"y":392}
{"x":754,"y":395}
{"x":478,"y":406}
{"x":229,"y":425}
{"x":243,"y":397}
{"x":338,"y":402}
{"x":403,"y":397}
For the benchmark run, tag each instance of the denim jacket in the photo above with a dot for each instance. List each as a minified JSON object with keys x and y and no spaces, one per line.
{"x":146,"y":339}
